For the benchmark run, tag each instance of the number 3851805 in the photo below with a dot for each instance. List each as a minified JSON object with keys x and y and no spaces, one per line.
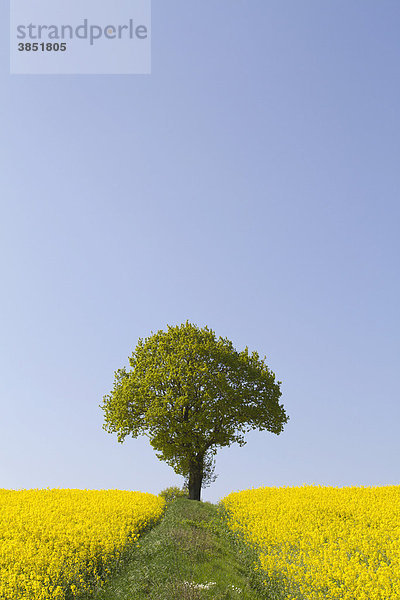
{"x":43,"y":47}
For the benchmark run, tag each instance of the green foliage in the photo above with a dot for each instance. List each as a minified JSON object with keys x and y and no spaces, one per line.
{"x":192,"y":393}
{"x":173,"y":492}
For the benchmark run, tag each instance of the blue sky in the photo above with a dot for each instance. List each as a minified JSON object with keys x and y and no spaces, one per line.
{"x":251,"y":184}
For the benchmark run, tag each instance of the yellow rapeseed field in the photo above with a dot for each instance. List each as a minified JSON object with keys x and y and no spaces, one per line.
{"x":58,"y":542}
{"x":324,"y":543}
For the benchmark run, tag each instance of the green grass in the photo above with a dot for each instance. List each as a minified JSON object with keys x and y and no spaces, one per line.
{"x":190,"y":555}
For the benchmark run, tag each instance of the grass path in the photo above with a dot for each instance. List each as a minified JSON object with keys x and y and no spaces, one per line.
{"x":190,"y":555}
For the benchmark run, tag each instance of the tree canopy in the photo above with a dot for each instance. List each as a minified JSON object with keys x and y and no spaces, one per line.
{"x":190,"y":394}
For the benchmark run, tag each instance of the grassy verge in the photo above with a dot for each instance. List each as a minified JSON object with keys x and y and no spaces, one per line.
{"x":190,"y":555}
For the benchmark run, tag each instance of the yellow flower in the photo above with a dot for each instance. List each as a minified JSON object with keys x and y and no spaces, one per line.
{"x":324,"y":543}
{"x":53,"y":542}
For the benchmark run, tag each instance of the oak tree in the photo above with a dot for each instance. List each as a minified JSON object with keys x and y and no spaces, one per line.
{"x":190,"y":394}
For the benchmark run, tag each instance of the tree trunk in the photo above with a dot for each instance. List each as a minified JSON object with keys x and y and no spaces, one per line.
{"x":196,"y":477}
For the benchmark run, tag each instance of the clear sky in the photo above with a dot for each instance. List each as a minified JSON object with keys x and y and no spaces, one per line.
{"x":251,"y":184}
